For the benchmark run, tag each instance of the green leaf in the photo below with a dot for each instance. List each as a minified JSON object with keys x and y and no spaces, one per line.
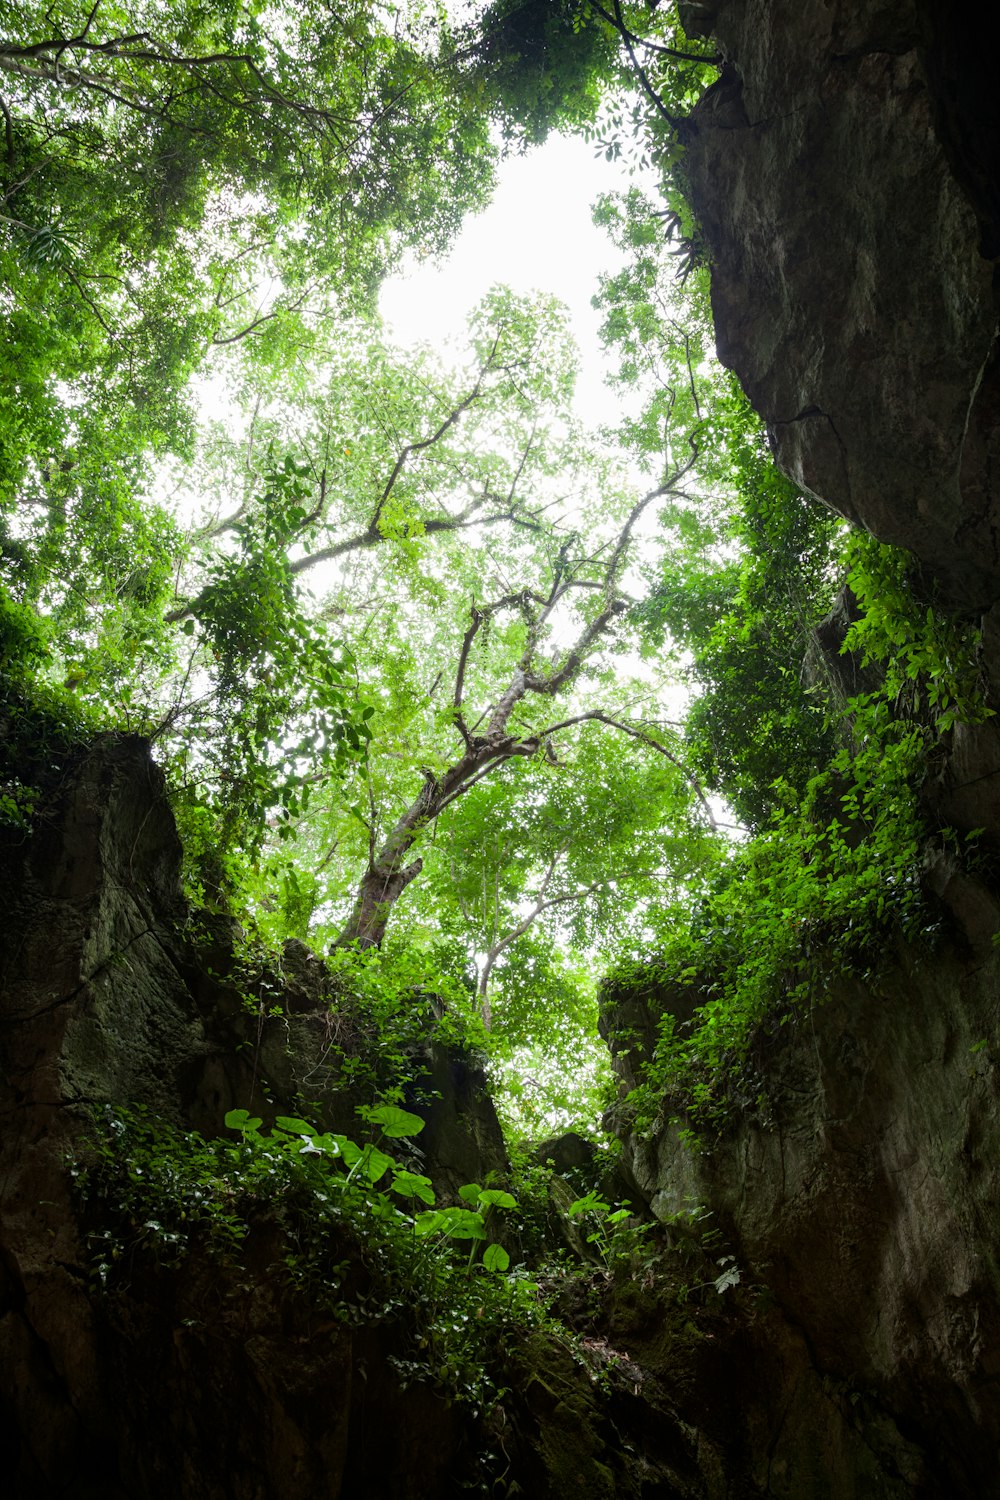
{"x":319,"y":1145}
{"x":292,"y":1126}
{"x":589,"y":1204}
{"x":394,"y":1122}
{"x":349,"y":1150}
{"x":412,"y":1185}
{"x":375,"y":1163}
{"x":495,"y":1258}
{"x":496,"y":1198}
{"x":241,"y":1119}
{"x":455,"y":1223}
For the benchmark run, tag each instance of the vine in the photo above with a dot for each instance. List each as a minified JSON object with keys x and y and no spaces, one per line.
{"x":835,"y":873}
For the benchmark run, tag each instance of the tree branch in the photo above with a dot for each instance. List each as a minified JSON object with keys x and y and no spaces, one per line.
{"x":424,"y":443}
{"x":8,"y":128}
{"x":463,"y":658}
{"x":598,"y":716}
{"x":483,"y":753}
{"x":262,"y":318}
{"x":618,"y":22}
{"x":639,"y":71}
{"x":613,"y":603}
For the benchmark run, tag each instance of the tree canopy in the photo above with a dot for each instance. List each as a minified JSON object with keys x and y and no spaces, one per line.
{"x":442,"y":681}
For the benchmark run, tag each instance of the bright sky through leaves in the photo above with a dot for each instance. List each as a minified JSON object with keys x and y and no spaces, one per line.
{"x":537,"y":234}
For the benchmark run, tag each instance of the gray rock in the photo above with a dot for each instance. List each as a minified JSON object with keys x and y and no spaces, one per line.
{"x":864,"y":1191}
{"x":849,"y":285}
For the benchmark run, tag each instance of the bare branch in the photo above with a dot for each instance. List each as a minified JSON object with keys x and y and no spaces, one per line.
{"x":618,"y":22}
{"x":8,"y":124}
{"x":467,"y":639}
{"x":262,"y":318}
{"x":424,"y":443}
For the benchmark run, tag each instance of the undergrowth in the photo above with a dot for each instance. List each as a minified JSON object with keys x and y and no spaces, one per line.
{"x":362,"y":1235}
{"x":356,"y":1233}
{"x":40,"y":727}
{"x":833,"y":878}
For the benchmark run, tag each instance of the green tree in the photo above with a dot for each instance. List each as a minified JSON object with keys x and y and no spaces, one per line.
{"x":178,"y":183}
{"x":474,"y":555}
{"x":517,"y":716}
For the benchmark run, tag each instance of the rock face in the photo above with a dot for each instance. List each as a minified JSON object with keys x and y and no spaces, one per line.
{"x":844,"y":174}
{"x":207,"y":1385}
{"x":863,"y":1192}
{"x":212,"y":1380}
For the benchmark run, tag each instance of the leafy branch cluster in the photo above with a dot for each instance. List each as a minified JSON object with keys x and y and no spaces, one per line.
{"x":824,"y":679}
{"x":828,"y":765}
{"x":361,"y":1235}
{"x":831,"y":874}
{"x":927,"y":657}
{"x":822,"y":892}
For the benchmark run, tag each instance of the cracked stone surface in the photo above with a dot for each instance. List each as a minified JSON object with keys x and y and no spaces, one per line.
{"x":171,"y":1391}
{"x":852,"y":229}
{"x":213,"y":1383}
{"x":862,"y":1189}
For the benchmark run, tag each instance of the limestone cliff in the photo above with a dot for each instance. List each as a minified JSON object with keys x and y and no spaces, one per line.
{"x":860,"y":1188}
{"x":844,"y":171}
{"x":844,"y":175}
{"x":206,"y":1383}
{"x":208,"y":1379}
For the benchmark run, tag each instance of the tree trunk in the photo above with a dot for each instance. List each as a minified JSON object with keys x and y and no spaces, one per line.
{"x":387,"y":877}
{"x":378,"y":892}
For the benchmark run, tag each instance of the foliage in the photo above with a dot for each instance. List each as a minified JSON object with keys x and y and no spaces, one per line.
{"x":821,"y":757}
{"x":431,"y":669}
{"x":285,"y":689}
{"x":281,"y":598}
{"x":238,"y":136}
{"x":828,"y":772}
{"x":542,"y":64}
{"x":662,"y":75}
{"x":384,"y":1003}
{"x":362,"y":1236}
{"x":186,"y":190}
{"x":39,"y":730}
{"x":926,"y":656}
{"x":609,"y":1229}
{"x":753,"y":564}
{"x":816,"y":895}
{"x":163,"y":165}
{"x":748,"y":620}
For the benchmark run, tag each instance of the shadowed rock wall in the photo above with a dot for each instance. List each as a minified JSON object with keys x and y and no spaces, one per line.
{"x":862,"y":1190}
{"x":207,"y":1383}
{"x":844,"y":174}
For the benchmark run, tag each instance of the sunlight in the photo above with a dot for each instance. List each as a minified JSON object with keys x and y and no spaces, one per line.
{"x":536,"y":235}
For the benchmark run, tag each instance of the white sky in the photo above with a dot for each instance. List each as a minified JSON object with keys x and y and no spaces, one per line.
{"x":536,"y":235}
